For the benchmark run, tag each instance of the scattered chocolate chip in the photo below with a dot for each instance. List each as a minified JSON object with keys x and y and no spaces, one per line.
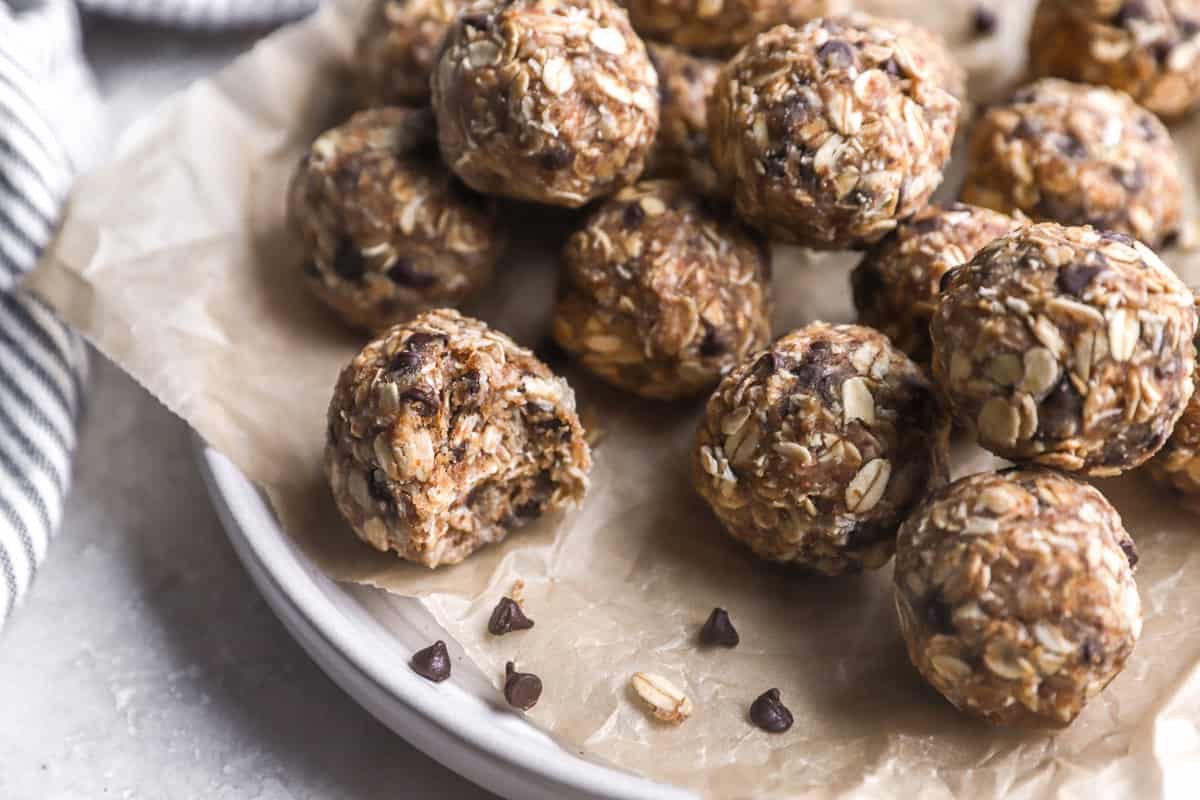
{"x":1091,"y":652}
{"x":837,"y":54}
{"x":348,"y":262}
{"x":1130,"y":551}
{"x":634,"y":215}
{"x":1074,"y":280}
{"x":983,"y":21}
{"x":521,"y":689}
{"x":938,"y":615}
{"x":1129,"y":12}
{"x":507,"y":617}
{"x":1070,"y":146}
{"x":405,"y":362}
{"x":404,"y":273}
{"x":1134,"y":180}
{"x":1058,"y":414}
{"x":423,"y":400}
{"x":432,"y":663}
{"x":556,"y":158}
{"x":769,"y":713}
{"x":420,"y":340}
{"x":768,"y":364}
{"x":891,"y":67}
{"x":377,"y":487}
{"x":719,"y":630}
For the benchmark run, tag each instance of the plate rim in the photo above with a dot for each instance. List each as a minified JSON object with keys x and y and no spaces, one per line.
{"x":272,"y":560}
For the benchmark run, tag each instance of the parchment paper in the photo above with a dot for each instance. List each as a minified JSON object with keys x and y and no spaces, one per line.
{"x":174,"y":261}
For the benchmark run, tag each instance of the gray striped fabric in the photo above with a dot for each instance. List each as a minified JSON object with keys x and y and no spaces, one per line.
{"x":42,"y":364}
{"x":204,"y":13}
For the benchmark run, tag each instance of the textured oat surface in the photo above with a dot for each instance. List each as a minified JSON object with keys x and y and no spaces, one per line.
{"x":1066,"y":347}
{"x":722,"y":26}
{"x":1016,"y":596}
{"x":387,"y":230}
{"x":896,"y":284}
{"x":1079,"y":155}
{"x":813,"y":451}
{"x":685,"y":82}
{"x":553,"y":101}
{"x":444,"y":435}
{"x":1178,"y":463}
{"x":832,"y":132}
{"x":663,"y":293}
{"x":1148,"y":48}
{"x":397,"y":49}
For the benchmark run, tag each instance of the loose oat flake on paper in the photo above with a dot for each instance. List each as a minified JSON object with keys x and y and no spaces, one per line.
{"x":174,"y":260}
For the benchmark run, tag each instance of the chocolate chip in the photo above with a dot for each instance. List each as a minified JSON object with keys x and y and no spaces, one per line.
{"x":405,"y":362}
{"x":1149,"y":127}
{"x":774,"y":162}
{"x":719,"y":630}
{"x":432,"y":663}
{"x":521,"y":689}
{"x":1074,"y":280}
{"x":1129,"y":12}
{"x":715,"y":343}
{"x":420,"y":340}
{"x":938,"y":615}
{"x":891,"y":67}
{"x":948,"y":277}
{"x":1134,"y":180}
{"x":480,"y":22}
{"x":634,"y":215}
{"x":983,"y":21}
{"x":1091,"y":652}
{"x":423,"y":400}
{"x":767,"y":365}
{"x":1058,"y":415}
{"x":377,"y":487}
{"x":556,"y":158}
{"x":404,"y":273}
{"x":1130,"y":551}
{"x":348,"y":262}
{"x":837,"y":54}
{"x":769,"y":713}
{"x":1070,"y":146}
{"x":507,"y":617}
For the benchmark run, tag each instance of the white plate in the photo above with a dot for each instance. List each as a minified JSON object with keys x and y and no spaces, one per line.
{"x":363,"y":639}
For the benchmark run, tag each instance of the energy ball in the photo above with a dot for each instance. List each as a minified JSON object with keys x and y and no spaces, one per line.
{"x":896,"y":284}
{"x":387,"y":230}
{"x":813,"y":452}
{"x":552,"y":101}
{"x":444,"y":435}
{"x":831,"y":133}
{"x":1016,"y":596}
{"x":1177,"y":465}
{"x":662,"y":293}
{"x":685,"y":82}
{"x":1150,"y":48}
{"x":397,"y":50}
{"x":722,"y":26}
{"x":1078,"y":155}
{"x":1066,"y":347}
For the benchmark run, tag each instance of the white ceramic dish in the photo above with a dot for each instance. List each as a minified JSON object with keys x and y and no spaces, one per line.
{"x":363,"y":639}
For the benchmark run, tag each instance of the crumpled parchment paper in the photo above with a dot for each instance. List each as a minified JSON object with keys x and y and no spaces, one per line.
{"x":174,"y":260}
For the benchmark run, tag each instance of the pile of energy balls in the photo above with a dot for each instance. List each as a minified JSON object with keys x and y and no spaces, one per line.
{"x":1033,"y":313}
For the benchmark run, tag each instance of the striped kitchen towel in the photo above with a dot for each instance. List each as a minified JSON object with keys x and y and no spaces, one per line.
{"x":50,"y":127}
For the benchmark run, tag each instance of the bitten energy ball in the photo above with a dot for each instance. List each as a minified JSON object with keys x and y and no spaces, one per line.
{"x":685,"y":82}
{"x":815,"y":450}
{"x":722,"y":26}
{"x":553,"y":101}
{"x":897,"y":282}
{"x":1178,"y":464}
{"x":1066,"y":347}
{"x":1148,"y":48}
{"x":661,"y":294}
{"x":831,"y":133}
{"x":1079,"y":155}
{"x":444,"y":435}
{"x":397,"y":50}
{"x":387,"y":229}
{"x":1016,"y":595}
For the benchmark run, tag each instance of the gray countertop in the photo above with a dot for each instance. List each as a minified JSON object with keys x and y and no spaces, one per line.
{"x":143,"y":663}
